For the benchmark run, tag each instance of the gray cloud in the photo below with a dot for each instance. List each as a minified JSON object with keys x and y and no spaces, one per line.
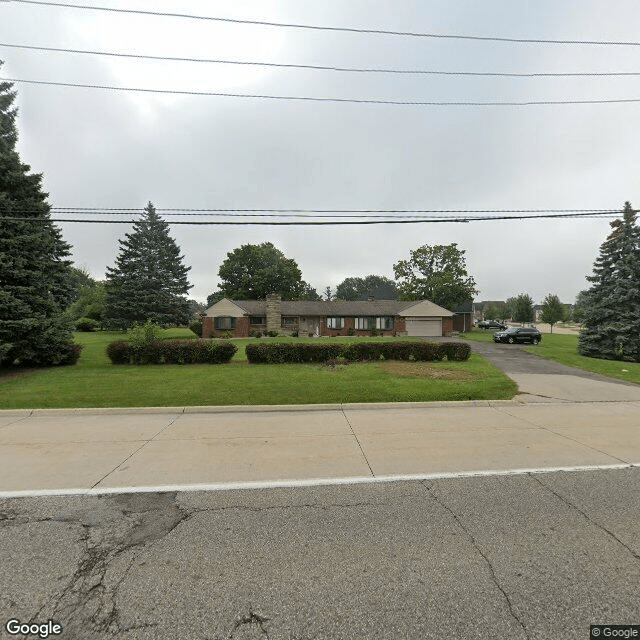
{"x":98,"y":148}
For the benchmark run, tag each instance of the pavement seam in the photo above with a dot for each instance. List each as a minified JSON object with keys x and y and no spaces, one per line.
{"x":358,"y":441}
{"x":476,"y":546}
{"x":586,"y":516}
{"x":144,"y":444}
{"x":14,"y":422}
{"x":561,"y":435}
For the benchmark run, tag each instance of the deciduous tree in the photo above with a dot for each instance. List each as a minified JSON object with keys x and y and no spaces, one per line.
{"x":612,"y":316}
{"x":149,"y":281}
{"x":253,"y":271}
{"x":437,"y":273}
{"x":372,"y":286}
{"x":552,"y":310}
{"x":35,"y":276}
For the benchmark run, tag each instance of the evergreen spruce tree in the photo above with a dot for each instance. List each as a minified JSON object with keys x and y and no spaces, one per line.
{"x":612,"y":310}
{"x":35,"y":277}
{"x":149,"y":281}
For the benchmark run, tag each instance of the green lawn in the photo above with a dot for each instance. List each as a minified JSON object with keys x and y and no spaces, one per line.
{"x":563,"y":348}
{"x":479,"y":335}
{"x":95,"y":382}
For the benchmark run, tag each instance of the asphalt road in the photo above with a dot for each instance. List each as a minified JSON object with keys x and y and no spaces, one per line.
{"x":520,"y":557}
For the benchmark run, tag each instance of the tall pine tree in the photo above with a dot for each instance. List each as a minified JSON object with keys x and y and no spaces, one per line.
{"x":149,"y":281}
{"x":612,"y":311}
{"x":35,"y":277}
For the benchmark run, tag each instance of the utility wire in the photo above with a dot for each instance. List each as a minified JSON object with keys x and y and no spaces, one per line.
{"x":324,"y":222}
{"x":330,"y":28}
{"x":325,"y":213}
{"x":411,"y":103}
{"x":315,"y":67}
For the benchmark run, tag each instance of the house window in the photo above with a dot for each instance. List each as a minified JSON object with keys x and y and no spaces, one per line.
{"x":335,"y":323}
{"x":363,"y":323}
{"x":289,"y":320}
{"x":257,"y":320}
{"x":225,"y":323}
{"x":384,"y":322}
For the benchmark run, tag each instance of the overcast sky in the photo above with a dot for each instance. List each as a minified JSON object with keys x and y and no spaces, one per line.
{"x":101,"y":148}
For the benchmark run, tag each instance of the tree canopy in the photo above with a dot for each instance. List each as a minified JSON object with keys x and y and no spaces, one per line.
{"x":253,"y":271}
{"x":149,"y":281}
{"x":552,"y":310}
{"x":521,"y":308}
{"x":35,"y":276}
{"x":437,"y":273}
{"x":611,"y":315}
{"x":377,"y":287}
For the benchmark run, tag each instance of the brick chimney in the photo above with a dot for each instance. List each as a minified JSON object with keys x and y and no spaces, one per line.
{"x":274,"y":317}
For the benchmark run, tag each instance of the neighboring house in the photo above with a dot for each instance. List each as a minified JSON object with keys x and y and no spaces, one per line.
{"x":463,"y":317}
{"x":243,"y":318}
{"x":537,"y":312}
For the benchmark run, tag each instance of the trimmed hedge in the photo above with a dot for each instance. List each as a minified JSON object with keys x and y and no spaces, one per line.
{"x":172,"y":352}
{"x":280,"y":353}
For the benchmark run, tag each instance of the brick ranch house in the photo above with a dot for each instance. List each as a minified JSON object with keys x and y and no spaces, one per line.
{"x":242,"y":318}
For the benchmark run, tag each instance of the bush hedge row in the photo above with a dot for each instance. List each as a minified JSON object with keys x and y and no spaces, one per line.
{"x":279,"y":353}
{"x":172,"y":352}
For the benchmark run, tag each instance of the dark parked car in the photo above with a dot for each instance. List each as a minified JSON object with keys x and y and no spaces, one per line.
{"x":518,"y":334}
{"x":491,"y":324}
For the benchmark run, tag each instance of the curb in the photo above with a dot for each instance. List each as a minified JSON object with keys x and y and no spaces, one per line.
{"x":258,"y":408}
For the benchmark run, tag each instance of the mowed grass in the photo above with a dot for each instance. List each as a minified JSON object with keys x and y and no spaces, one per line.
{"x":479,"y":335}
{"x":564,"y":349}
{"x":95,"y":382}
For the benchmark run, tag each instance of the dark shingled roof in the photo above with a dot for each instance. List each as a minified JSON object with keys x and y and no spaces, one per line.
{"x":328,"y":307}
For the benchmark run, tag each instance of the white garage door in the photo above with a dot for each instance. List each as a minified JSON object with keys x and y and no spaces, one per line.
{"x":424,"y":327}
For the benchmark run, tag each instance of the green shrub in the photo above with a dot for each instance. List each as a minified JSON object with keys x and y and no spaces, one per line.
{"x":351,"y":331}
{"x":86,"y":324}
{"x":119,"y":352}
{"x":172,"y":352}
{"x":455,"y":351}
{"x":357,"y":351}
{"x":72,"y":354}
{"x":271,"y":333}
{"x":227,"y":335}
{"x":196,"y":327}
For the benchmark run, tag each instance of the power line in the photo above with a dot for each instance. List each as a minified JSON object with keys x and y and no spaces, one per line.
{"x":330,"y":28}
{"x":465,"y":219}
{"x":284,"y":212}
{"x":411,"y":103}
{"x":138,"y":56}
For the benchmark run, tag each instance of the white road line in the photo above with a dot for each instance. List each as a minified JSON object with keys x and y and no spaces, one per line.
{"x":312,"y":482}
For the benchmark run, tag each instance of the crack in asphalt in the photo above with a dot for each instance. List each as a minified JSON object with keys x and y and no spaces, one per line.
{"x":585,"y":515}
{"x":86,"y":602}
{"x":476,"y":546}
{"x":252,"y":618}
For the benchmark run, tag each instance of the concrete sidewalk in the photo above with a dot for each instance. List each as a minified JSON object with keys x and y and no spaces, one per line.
{"x":102,"y":449}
